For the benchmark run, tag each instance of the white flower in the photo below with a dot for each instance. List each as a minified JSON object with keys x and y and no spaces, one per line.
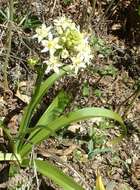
{"x":84,"y":50}
{"x":53,"y":64}
{"x":51,"y":45}
{"x":42,"y":32}
{"x":64,"y":40}
{"x":86,"y":54}
{"x":77,"y":63}
{"x":65,"y":54}
{"x":64,"y":23}
{"x":59,"y":30}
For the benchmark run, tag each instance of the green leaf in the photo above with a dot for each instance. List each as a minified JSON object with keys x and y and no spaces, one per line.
{"x":3,"y":16}
{"x":10,"y":157}
{"x":85,"y":90}
{"x":40,"y":91}
{"x":63,"y":121}
{"x":55,"y":174}
{"x":109,"y":70}
{"x":14,"y":169}
{"x":1,"y":121}
{"x":98,"y":93}
{"x":54,"y":110}
{"x":31,"y":22}
{"x":98,"y":151}
{"x":11,"y":144}
{"x":139,"y":10}
{"x":67,"y":2}
{"x":99,"y":182}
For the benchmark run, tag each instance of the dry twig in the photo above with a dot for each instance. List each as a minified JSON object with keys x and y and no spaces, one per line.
{"x":8,"y":44}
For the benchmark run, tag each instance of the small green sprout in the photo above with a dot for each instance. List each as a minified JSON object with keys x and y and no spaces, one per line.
{"x":100,"y":46}
{"x":98,"y":93}
{"x":33,"y":61}
{"x":86,"y":89}
{"x":67,"y":2}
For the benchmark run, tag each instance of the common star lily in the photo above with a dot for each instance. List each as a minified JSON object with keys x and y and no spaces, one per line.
{"x":51,"y":45}
{"x":42,"y":32}
{"x":53,"y":64}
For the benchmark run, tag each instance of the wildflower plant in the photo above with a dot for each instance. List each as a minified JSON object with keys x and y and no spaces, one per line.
{"x":60,"y":41}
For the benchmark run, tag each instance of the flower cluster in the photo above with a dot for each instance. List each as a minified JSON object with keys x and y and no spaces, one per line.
{"x":63,"y":41}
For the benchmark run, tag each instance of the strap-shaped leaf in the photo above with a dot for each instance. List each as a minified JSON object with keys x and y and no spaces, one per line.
{"x":99,"y":182}
{"x":82,"y":114}
{"x":55,"y":174}
{"x":10,"y":157}
{"x":40,"y":91}
{"x":11,"y":143}
{"x":53,"y":111}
